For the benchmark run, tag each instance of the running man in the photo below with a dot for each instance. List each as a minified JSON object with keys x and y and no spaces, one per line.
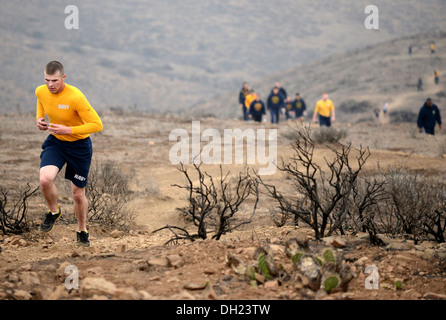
{"x":325,"y":109}
{"x":71,"y":120}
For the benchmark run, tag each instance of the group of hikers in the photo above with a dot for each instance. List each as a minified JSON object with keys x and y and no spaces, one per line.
{"x":429,"y":114}
{"x":436,"y":71}
{"x":278,"y":102}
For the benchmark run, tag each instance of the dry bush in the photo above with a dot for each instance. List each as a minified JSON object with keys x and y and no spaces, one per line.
{"x":328,"y":135}
{"x":415,"y":206}
{"x":13,"y":217}
{"x":108,"y":195}
{"x":213,"y":203}
{"x":322,"y":198}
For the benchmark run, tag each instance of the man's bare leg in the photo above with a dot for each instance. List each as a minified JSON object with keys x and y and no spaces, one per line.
{"x":80,"y":206}
{"x":47,"y":176}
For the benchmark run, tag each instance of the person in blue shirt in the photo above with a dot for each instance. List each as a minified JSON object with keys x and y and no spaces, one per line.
{"x":299,"y":107}
{"x":289,"y":110}
{"x":274,"y":104}
{"x":428,"y":116}
{"x":257,"y":109}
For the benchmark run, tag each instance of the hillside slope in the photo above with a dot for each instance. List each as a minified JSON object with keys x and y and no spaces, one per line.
{"x":171,"y":55}
{"x":375,"y":74}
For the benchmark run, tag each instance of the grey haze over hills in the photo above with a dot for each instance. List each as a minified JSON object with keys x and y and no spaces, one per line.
{"x":174,"y":55}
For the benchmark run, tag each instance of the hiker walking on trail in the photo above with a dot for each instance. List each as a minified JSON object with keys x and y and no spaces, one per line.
{"x":274,"y":104}
{"x":428,"y":116}
{"x":420,"y":84}
{"x":257,"y":109}
{"x":241,"y":98}
{"x":299,"y":107}
{"x":71,"y":120}
{"x":437,"y":76}
{"x":248,"y":100}
{"x":289,"y":111}
{"x":326,"y":110}
{"x":385,"y":107}
{"x":432,"y":47}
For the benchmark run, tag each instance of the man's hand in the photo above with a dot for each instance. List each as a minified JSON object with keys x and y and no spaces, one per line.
{"x":59,"y":129}
{"x":41,"y":124}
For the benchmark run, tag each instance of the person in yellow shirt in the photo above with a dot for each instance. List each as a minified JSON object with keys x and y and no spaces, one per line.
{"x":437,"y":76}
{"x":71,"y":120}
{"x":249,"y":99}
{"x":326,"y":110}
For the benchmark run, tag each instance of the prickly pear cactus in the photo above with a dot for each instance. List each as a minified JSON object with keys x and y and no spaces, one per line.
{"x":331,"y":282}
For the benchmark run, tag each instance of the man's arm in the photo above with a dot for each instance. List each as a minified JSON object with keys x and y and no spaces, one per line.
{"x":92,"y":122}
{"x":315,"y":113}
{"x":438,"y":117}
{"x":40,"y":117}
{"x":420,"y":121}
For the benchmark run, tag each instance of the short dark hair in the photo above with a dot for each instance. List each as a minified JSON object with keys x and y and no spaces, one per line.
{"x":54,"y":66}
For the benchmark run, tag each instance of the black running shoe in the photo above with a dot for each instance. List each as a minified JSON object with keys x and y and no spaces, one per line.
{"x":48,"y":223}
{"x":83,"y":238}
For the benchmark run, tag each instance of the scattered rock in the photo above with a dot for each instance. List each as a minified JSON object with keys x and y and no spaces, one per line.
{"x":59,"y":293}
{"x":184,"y":295}
{"x":116,"y":233}
{"x":209,"y":293}
{"x":60,"y":272}
{"x":127,"y":294}
{"x":400,"y":246}
{"x":121,"y":248}
{"x":271,"y":284}
{"x":433,"y":295}
{"x":175,"y":260}
{"x":196,"y":285}
{"x":29,"y":280}
{"x":21,"y":295}
{"x":25,"y":267}
{"x":144,"y":295}
{"x":237,"y":265}
{"x":309,"y":268}
{"x":336,"y":242}
{"x":94,"y":271}
{"x":96,"y":286}
{"x":158,"y":262}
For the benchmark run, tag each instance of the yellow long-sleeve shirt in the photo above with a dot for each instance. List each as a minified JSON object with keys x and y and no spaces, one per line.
{"x":69,"y":108}
{"x":249,"y":99}
{"x":324,"y":108}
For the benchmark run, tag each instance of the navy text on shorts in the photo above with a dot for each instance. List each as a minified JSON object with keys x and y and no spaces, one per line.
{"x":76,"y":154}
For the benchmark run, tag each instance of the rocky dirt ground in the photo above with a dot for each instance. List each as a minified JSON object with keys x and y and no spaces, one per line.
{"x":135,"y":263}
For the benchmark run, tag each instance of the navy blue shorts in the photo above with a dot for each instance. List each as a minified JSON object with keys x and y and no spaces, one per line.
{"x":76,"y":154}
{"x":324,"y":121}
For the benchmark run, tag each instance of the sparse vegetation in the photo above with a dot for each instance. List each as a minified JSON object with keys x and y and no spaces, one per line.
{"x":325,"y":202}
{"x":108,"y":194}
{"x":328,"y":135}
{"x":14,"y":216}
{"x":212,"y":205}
